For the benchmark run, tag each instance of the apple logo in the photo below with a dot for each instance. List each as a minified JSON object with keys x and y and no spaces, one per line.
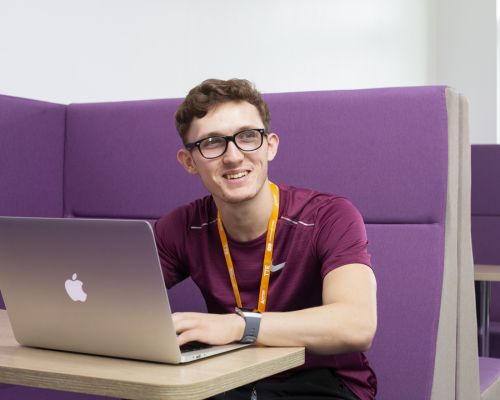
{"x":74,"y":289}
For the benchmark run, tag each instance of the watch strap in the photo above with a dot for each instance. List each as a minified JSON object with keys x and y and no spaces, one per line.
{"x":252,"y":324}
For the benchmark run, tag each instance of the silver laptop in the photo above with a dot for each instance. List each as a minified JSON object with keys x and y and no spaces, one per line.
{"x":89,"y":286}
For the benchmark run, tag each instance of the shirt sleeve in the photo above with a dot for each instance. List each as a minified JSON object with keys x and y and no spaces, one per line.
{"x":170,"y":239}
{"x":340,"y":236}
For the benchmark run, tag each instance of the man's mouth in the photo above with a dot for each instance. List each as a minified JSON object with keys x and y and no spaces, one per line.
{"x":236,"y":176}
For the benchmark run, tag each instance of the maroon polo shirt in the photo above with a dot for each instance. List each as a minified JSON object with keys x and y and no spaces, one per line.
{"x":316,"y":233}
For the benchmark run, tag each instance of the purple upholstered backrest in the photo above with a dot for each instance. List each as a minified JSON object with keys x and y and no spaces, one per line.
{"x":31,"y":158}
{"x":31,"y":181}
{"x":121,"y":161}
{"x":385,"y":149}
{"x":485,"y":204}
{"x":120,"y":157}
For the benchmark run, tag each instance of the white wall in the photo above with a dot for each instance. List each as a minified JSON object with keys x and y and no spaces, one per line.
{"x":466,"y":59}
{"x":101,"y":50}
{"x":104,"y":50}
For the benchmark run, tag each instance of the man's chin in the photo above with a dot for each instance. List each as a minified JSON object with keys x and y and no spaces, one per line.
{"x":236,"y":199}
{"x":237,"y":193}
{"x":236,"y":196}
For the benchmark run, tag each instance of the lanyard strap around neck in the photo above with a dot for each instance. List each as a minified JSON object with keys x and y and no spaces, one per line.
{"x":268,"y":253}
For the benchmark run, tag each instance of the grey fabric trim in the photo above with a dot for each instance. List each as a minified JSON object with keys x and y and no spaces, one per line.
{"x":443,"y":385}
{"x":467,"y":372}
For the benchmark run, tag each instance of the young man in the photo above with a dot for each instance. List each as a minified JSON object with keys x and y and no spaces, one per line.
{"x":296,"y":259}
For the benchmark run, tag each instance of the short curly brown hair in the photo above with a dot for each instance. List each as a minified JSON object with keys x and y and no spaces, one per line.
{"x":211,"y":92}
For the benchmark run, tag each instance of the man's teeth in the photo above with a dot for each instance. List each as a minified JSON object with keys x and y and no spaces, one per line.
{"x":236,"y":176}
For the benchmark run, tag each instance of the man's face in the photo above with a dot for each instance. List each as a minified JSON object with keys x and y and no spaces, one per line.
{"x":236,"y":176}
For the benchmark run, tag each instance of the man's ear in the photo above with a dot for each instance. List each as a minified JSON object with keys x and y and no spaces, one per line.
{"x":273,"y":142}
{"x":186,"y":160}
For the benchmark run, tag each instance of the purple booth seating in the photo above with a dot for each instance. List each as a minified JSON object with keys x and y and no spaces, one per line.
{"x":397,"y":154}
{"x":31,"y":158}
{"x":32,"y":136}
{"x":485,"y":210}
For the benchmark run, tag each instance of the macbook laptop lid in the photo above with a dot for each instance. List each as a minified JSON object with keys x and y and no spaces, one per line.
{"x":90,"y":286}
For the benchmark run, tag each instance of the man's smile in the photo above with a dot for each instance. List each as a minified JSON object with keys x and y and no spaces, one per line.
{"x":235,"y":175}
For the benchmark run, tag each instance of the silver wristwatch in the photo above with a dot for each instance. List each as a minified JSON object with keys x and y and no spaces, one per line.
{"x":252,"y":324}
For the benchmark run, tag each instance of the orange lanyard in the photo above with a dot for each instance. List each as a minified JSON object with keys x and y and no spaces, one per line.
{"x":268,"y":254}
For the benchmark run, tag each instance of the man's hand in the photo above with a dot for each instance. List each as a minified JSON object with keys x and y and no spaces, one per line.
{"x":208,"y":328}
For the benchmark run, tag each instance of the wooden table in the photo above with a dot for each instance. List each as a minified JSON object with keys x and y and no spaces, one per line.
{"x":130,"y":379}
{"x":485,"y":274}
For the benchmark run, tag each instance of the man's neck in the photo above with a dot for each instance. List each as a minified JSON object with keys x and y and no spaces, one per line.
{"x":248,"y":220}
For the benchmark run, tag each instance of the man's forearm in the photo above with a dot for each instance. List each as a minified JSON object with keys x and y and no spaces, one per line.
{"x":345,"y":323}
{"x":328,"y":329}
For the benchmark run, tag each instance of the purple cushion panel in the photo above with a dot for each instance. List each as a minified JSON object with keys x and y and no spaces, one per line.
{"x":31,"y":157}
{"x":408,"y":263}
{"x":489,"y":371}
{"x":485,"y":203}
{"x":121,"y":161}
{"x":11,"y":392}
{"x":485,"y":162}
{"x":486,"y":238}
{"x":179,"y":301}
{"x":120,"y":157}
{"x":333,"y":141}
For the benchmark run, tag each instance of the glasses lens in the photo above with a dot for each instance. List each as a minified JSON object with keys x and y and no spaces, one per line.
{"x":212,"y":147}
{"x":248,"y":140}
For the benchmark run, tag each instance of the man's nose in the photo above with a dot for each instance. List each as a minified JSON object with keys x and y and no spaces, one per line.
{"x":232,"y":153}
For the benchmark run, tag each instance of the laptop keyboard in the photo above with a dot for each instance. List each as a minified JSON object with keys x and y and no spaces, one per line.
{"x":192,"y":346}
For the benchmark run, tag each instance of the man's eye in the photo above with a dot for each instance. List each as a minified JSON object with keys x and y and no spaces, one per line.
{"x":212,"y":142}
{"x":248,"y":135}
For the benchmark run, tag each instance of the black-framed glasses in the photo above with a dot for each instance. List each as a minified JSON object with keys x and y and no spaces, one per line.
{"x":216,"y":146}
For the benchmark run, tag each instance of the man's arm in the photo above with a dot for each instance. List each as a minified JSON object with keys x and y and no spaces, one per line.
{"x":346,"y":321}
